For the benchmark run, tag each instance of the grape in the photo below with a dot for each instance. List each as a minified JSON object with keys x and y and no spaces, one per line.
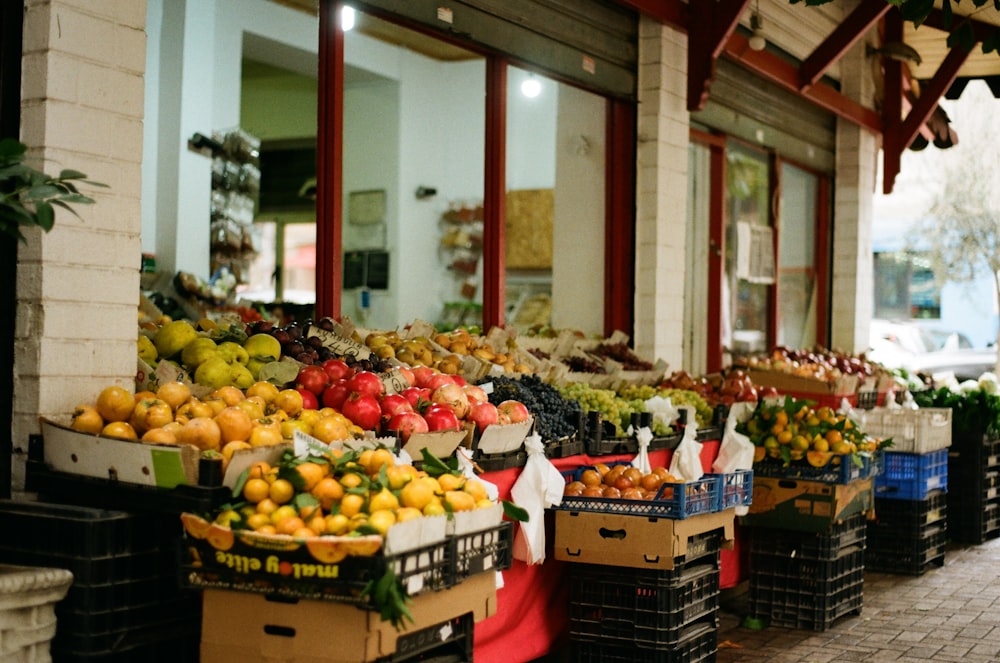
{"x":555,"y":416}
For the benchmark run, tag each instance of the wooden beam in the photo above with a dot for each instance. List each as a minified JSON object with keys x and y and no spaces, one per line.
{"x":778,"y":71}
{"x":980,"y":29}
{"x":494,"y":195}
{"x":931,"y":94}
{"x":710,"y":26}
{"x":669,"y":12}
{"x":329,"y":163}
{"x":892,"y":105}
{"x":840,"y":40}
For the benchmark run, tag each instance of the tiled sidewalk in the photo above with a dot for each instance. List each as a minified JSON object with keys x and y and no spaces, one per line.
{"x":951,"y":613}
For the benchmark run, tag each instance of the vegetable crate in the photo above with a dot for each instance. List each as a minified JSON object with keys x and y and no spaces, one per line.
{"x":673,"y":500}
{"x":912,"y":556}
{"x":736,"y":488}
{"x":911,"y":476}
{"x":839,"y":469}
{"x":805,"y":593}
{"x":974,"y":494}
{"x":125,"y":602}
{"x":697,"y":643}
{"x":908,"y":519}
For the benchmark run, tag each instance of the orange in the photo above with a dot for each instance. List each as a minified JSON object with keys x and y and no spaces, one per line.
{"x":87,"y":419}
{"x":143,"y":395}
{"x":115,"y":403}
{"x":311,"y":473}
{"x":174,"y":393}
{"x":383,"y":500}
{"x":476,"y":488}
{"x":351,"y":504}
{"x":265,"y":434}
{"x":120,"y":430}
{"x":434,"y":508}
{"x":351,"y":480}
{"x":382,"y":520}
{"x":418,"y":494}
{"x":252,"y":407}
{"x":451,"y":482}
{"x":336,"y":523}
{"x":255,"y":490}
{"x":317,"y":523}
{"x":459,"y":500}
{"x":217,"y":405}
{"x":591,"y":478}
{"x":228,"y":393}
{"x":229,"y":448}
{"x":150,"y":413}
{"x":282,"y":491}
{"x":193,"y":409}
{"x":258,"y":520}
{"x":159,"y":436}
{"x":328,"y":491}
{"x":330,"y":429}
{"x":234,"y":424}
{"x":264,"y":389}
{"x":201,"y":432}
{"x":266,"y":506}
{"x":405,"y":513}
{"x":289,"y":401}
{"x":378,"y":459}
{"x":283,"y":512}
{"x":400,"y":475}
{"x":290,"y":525}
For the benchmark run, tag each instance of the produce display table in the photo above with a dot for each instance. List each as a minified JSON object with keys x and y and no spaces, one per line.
{"x":532,"y":608}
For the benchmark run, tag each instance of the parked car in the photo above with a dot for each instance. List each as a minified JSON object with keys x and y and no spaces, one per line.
{"x":909,"y":345}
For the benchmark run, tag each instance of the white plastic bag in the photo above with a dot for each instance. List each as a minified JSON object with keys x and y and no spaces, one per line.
{"x":643,"y":436}
{"x":736,"y":450}
{"x":539,"y":486}
{"x":465,"y":464}
{"x":686,"y":461}
{"x":662,"y":409}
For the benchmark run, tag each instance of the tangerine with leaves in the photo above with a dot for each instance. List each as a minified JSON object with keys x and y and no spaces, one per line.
{"x":311,"y":474}
{"x":282,"y":491}
{"x":256,"y":490}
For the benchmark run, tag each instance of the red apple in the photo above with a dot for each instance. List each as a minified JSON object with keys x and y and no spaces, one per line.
{"x":312,"y":378}
{"x":309,"y":399}
{"x":454,"y":397}
{"x":406,"y":424}
{"x":363,"y":410}
{"x":483,"y":415}
{"x":393,"y":404}
{"x":441,"y":417}
{"x":515,"y":411}
{"x":475,"y":393}
{"x":366,"y":383}
{"x":337,"y":369}
{"x":335,"y":395}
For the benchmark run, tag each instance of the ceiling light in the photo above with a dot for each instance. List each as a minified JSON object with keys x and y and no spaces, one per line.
{"x":531,"y":87}
{"x":346,"y":18}
{"x":757,"y":40}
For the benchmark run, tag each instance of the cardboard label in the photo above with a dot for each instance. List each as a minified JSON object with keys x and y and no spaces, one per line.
{"x":339,"y":345}
{"x":806,"y":506}
{"x":394,"y":381}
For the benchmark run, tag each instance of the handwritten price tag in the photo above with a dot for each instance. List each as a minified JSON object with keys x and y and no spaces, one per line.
{"x":340,"y":346}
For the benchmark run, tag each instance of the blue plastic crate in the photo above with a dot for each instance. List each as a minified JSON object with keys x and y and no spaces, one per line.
{"x":735,"y":488}
{"x":840,"y":469}
{"x":674,"y":500}
{"x":908,"y":476}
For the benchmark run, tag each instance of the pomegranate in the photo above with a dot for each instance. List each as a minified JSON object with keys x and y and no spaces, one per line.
{"x":421,"y":374}
{"x":337,"y":369}
{"x":441,"y":417}
{"x":514,"y":411}
{"x":312,"y":378}
{"x":454,"y":397}
{"x":393,"y":404}
{"x":406,"y":424}
{"x":363,"y":410}
{"x":367,"y":383}
{"x":483,"y":415}
{"x":335,"y":395}
{"x":439,"y":380}
{"x":418,"y":397}
{"x":309,"y":399}
{"x":475,"y":393}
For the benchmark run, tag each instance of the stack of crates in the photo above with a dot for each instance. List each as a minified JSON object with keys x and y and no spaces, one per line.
{"x":125,"y":602}
{"x":807,"y":580}
{"x":627,"y":614}
{"x":974,"y":496}
{"x":910,"y":528}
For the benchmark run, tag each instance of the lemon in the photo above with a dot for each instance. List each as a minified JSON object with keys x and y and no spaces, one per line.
{"x":173,"y":336}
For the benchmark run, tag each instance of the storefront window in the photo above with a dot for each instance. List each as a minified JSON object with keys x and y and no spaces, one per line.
{"x":554,"y":230}
{"x":797,"y":283}
{"x":749,"y":252}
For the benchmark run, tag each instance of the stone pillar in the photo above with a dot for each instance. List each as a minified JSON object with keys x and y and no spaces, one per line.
{"x":661,"y":196}
{"x":77,"y":286}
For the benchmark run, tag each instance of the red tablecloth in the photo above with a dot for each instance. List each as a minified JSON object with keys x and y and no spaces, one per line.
{"x":532,"y":607}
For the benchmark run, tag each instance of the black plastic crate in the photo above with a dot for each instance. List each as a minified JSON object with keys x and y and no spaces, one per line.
{"x":908,"y":519}
{"x":500,"y":461}
{"x":450,"y":640}
{"x":640,"y":605}
{"x":826,"y":545}
{"x":63,"y":530}
{"x":813,"y":611}
{"x":891,"y":554}
{"x":973,"y":523}
{"x":779,"y":575}
{"x":484,"y":550}
{"x":698,"y":643}
{"x":77,"y":622}
{"x":564,"y":447}
{"x":136,"y":643}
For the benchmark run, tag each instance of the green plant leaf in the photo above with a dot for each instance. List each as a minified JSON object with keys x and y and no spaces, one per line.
{"x":45,"y":216}
{"x":514,"y":512}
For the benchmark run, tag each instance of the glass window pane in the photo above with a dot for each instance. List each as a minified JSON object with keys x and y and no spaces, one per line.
{"x":797,"y":285}
{"x":696,"y":269}
{"x":555,"y":204}
{"x":749,"y":255}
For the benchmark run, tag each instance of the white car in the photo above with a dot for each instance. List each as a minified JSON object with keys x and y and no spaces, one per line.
{"x":907,"y":344}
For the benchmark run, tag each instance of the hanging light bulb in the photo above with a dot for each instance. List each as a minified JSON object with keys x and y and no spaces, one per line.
{"x":757,"y":40}
{"x":346,"y":18}
{"x":531,"y":87}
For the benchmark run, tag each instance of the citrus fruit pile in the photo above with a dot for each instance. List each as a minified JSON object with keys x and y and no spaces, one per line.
{"x":792,"y":430}
{"x":621,"y":481}
{"x":341,"y":493}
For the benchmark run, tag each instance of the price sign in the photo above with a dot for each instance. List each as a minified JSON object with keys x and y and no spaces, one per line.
{"x":340,"y":346}
{"x":394,"y":381}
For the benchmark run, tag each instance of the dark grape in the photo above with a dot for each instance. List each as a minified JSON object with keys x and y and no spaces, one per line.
{"x":555,"y":417}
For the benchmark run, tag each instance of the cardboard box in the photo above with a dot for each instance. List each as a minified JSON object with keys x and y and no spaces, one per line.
{"x":238,"y":626}
{"x":640,"y":542}
{"x":787,"y":383}
{"x":806,"y":506}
